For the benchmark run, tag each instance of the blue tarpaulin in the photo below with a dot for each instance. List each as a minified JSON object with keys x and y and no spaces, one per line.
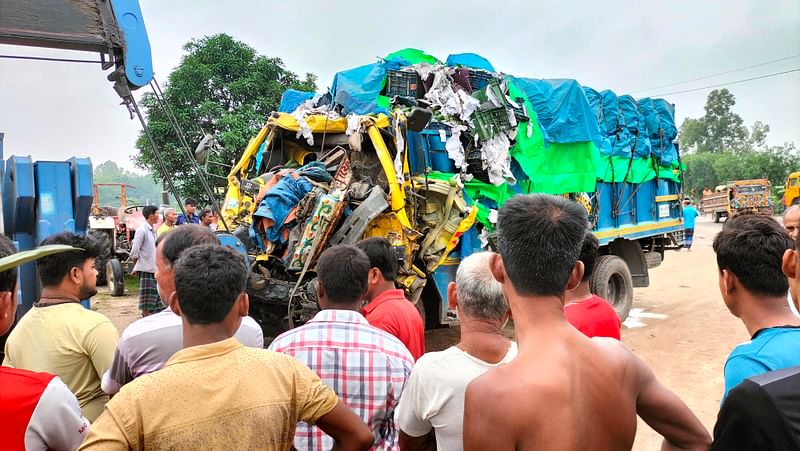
{"x":470,"y":60}
{"x":634,"y":122}
{"x":659,"y":118}
{"x":292,"y":98}
{"x":562,"y":110}
{"x":357,"y":90}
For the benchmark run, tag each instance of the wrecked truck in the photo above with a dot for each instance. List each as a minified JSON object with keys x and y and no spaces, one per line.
{"x":424,"y":152}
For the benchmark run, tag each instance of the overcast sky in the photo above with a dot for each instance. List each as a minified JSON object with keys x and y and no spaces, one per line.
{"x":57,"y":110}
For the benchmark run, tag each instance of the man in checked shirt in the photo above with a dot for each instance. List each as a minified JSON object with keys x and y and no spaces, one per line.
{"x":364,"y":365}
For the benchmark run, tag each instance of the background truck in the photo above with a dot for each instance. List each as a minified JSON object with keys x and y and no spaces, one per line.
{"x":791,"y":190}
{"x":736,"y":197}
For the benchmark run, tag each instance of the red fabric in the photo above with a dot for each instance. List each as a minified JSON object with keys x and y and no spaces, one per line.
{"x":392,"y":312}
{"x":595,"y":317}
{"x":20,"y":391}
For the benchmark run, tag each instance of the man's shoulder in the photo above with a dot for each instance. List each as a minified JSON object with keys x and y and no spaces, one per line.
{"x":20,"y":378}
{"x":771,"y":341}
{"x":156,"y":323}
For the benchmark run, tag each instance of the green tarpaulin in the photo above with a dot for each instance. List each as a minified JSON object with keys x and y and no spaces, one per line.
{"x":412,"y":56}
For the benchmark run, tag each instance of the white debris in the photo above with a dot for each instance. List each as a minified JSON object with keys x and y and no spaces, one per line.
{"x":497,"y":160}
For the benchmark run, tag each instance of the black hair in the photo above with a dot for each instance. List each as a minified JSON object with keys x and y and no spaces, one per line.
{"x":190,"y":201}
{"x":208,"y":279}
{"x":343,"y":271}
{"x":8,"y":278}
{"x":149,"y":210}
{"x":589,"y":252}
{"x":181,"y":238}
{"x":752,"y":247}
{"x":381,"y":256}
{"x":540,"y":238}
{"x":53,"y":268}
{"x":205,"y":212}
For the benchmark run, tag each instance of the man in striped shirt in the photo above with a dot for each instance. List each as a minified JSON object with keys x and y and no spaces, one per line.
{"x":364,"y":365}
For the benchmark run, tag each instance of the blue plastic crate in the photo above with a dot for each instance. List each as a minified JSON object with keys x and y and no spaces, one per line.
{"x":479,"y":79}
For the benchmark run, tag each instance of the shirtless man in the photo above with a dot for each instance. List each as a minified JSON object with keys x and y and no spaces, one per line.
{"x":564,"y":391}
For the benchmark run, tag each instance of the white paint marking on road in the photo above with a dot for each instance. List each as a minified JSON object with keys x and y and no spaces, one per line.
{"x":635,"y":316}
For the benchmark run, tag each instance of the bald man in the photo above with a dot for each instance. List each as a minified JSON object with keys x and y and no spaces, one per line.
{"x":791,"y":220}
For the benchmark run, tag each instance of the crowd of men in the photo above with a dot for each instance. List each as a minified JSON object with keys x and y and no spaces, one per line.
{"x":143,"y":247}
{"x":356,"y":376}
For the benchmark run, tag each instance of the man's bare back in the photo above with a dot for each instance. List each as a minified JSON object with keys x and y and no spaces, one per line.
{"x":569,"y":392}
{"x":563,"y":391}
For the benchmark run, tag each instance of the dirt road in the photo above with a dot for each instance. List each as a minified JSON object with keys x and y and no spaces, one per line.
{"x":680,"y":327}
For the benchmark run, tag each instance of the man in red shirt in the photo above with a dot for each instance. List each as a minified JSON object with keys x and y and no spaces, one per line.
{"x":37,"y":409}
{"x":590,"y":313}
{"x":388,"y":308}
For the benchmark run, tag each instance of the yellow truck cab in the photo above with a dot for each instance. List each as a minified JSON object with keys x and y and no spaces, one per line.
{"x":791,"y":193}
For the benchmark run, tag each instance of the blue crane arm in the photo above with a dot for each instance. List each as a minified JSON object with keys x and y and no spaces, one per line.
{"x":115,"y":29}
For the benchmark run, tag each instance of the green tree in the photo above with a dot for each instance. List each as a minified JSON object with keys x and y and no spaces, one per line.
{"x":720,"y":130}
{"x":222,"y":87}
{"x":141,"y":190}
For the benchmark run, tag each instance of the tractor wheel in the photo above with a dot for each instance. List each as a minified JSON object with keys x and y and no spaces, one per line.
{"x":102,"y":240}
{"x":115,"y":277}
{"x":612,"y":281}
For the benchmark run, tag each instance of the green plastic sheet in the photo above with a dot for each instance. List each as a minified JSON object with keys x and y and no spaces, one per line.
{"x":412,"y":56}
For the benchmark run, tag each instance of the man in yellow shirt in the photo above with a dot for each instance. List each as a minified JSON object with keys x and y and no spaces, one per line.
{"x":170,"y":217}
{"x":61,"y":337}
{"x":217,"y":394}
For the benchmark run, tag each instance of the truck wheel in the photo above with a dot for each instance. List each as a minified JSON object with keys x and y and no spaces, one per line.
{"x":612,"y":281}
{"x":716,"y":217}
{"x":115,"y":277}
{"x":103,"y":242}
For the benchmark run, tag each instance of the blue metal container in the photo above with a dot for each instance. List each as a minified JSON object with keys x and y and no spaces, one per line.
{"x":54,"y":210}
{"x":81,"y":170}
{"x":645,"y":201}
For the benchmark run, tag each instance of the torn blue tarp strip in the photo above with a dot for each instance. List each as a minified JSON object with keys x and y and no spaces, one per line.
{"x":470,"y":60}
{"x":292,"y":98}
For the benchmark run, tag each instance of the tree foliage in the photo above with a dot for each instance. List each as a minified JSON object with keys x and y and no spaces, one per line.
{"x":222,"y":87}
{"x":720,"y":130}
{"x":143,"y":189}
{"x":718,"y":148}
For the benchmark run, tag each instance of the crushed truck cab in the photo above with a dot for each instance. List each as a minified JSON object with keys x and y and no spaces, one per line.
{"x":424,"y":153}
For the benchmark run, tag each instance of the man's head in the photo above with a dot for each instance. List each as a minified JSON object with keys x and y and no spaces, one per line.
{"x":150,"y":213}
{"x":170,"y":216}
{"x":206,"y":217}
{"x":8,"y":288}
{"x":190,"y":205}
{"x":72,"y":273}
{"x":342,"y":273}
{"x":588,"y":256}
{"x":791,"y":221}
{"x":210,"y":282}
{"x":383,"y":263}
{"x":749,"y":252}
{"x":791,"y":268}
{"x":170,"y":247}
{"x":475,"y":292}
{"x":539,"y":241}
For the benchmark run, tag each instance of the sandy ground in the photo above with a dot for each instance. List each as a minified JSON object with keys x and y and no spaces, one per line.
{"x":684,"y":331}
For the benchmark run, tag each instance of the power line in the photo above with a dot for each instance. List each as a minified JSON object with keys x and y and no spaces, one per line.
{"x":718,"y":74}
{"x":43,"y":58}
{"x":728,"y":83}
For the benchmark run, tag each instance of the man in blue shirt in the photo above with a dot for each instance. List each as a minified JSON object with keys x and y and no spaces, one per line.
{"x":750,"y":251}
{"x":190,"y":207}
{"x":689,"y":218}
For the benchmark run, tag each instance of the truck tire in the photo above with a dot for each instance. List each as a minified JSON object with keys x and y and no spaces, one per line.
{"x":102,"y":240}
{"x":115,"y":277}
{"x":716,"y":217}
{"x":612,"y":281}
